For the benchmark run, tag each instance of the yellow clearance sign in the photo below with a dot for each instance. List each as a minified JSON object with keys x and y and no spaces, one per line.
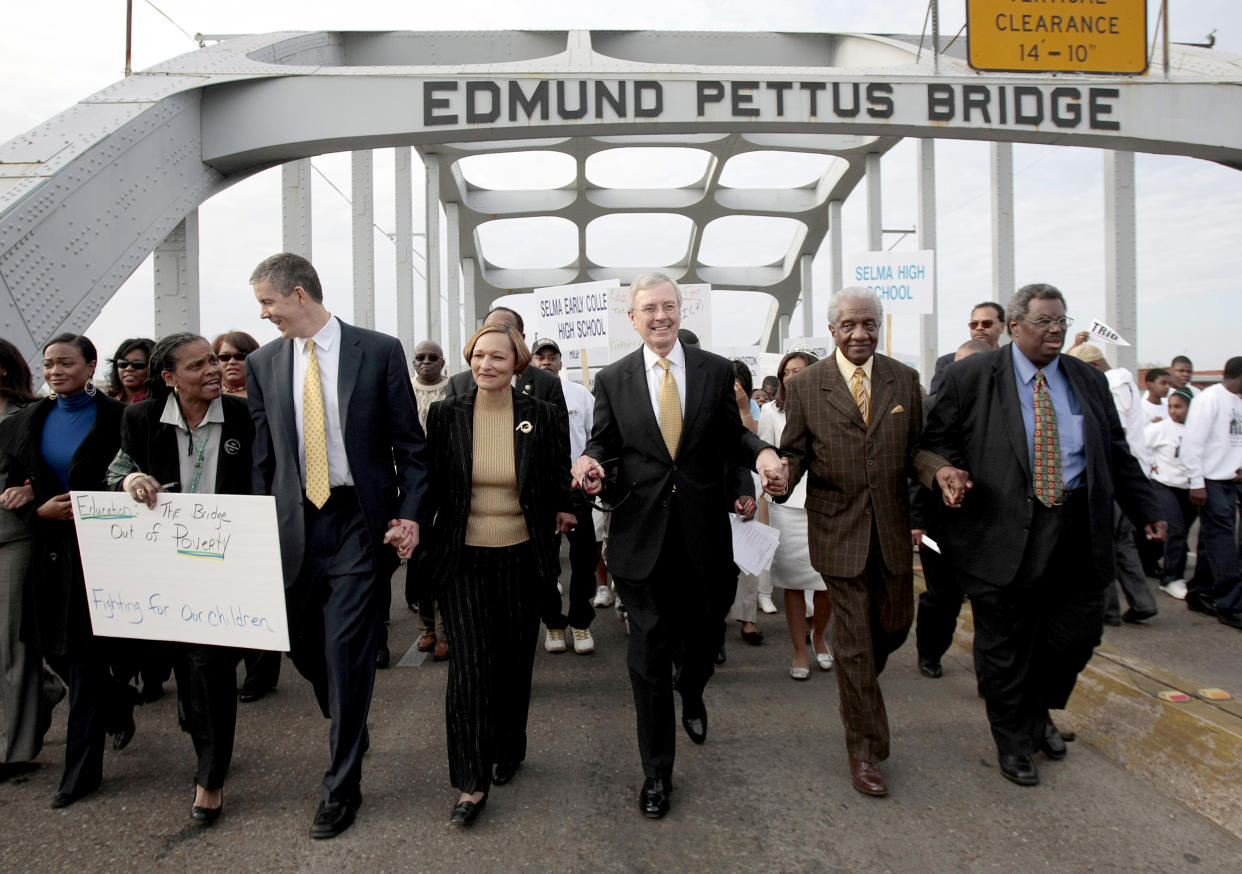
{"x":1057,"y":36}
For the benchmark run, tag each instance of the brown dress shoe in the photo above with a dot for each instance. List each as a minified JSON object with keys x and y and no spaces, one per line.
{"x":426,"y":643}
{"x":867,"y":778}
{"x":441,"y":653}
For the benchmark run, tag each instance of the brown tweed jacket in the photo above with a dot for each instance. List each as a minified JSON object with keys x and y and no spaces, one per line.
{"x":857,"y":470}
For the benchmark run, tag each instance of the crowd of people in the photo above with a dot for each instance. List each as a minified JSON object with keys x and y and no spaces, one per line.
{"x":1038,"y":484}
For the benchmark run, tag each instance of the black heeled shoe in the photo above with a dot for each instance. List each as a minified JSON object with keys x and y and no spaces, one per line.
{"x":466,"y":812}
{"x":206,"y":816}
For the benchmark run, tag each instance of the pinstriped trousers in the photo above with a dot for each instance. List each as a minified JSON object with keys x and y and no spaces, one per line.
{"x":491,"y":614}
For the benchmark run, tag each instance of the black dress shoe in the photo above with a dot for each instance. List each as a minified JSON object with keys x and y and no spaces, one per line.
{"x":334,"y":817}
{"x":1053,"y":744}
{"x":694,"y":719}
{"x":754,"y":638}
{"x":121,"y":738}
{"x":206,"y":816}
{"x":1018,"y":768}
{"x":249,"y":696}
{"x":383,"y":658}
{"x":466,"y":812}
{"x":1232,"y":618}
{"x":1133,"y":615}
{"x":930,"y":668}
{"x":64,"y":799}
{"x":1200,"y":604}
{"x":653,"y":798}
{"x":720,"y":656}
{"x":1112,"y":621}
{"x":502,"y":772}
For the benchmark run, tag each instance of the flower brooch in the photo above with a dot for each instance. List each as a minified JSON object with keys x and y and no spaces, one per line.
{"x":525,"y":427}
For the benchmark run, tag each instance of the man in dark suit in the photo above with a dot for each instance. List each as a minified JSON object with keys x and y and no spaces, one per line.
{"x":667,"y":425}
{"x":852,"y":425}
{"x":542,"y":386}
{"x":987,"y":324}
{"x":1032,"y":543}
{"x":337,"y":442}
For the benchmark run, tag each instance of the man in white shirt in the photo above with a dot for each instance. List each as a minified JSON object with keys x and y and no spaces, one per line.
{"x":1157,"y":381}
{"x":1212,"y":453}
{"x":1181,"y":372}
{"x":583,"y":549}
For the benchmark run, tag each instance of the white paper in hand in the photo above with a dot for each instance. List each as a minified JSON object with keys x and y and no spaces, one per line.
{"x":754,"y":544}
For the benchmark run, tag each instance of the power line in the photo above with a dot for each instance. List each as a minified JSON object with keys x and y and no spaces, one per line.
{"x":188,"y":35}
{"x":392,"y":238}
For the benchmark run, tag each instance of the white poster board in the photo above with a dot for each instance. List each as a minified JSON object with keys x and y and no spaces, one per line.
{"x":751,"y":356}
{"x":905,"y":281}
{"x":696,"y":315}
{"x":197,"y":568}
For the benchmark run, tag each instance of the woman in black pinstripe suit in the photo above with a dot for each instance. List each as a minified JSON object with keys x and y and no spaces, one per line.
{"x":500,"y":491}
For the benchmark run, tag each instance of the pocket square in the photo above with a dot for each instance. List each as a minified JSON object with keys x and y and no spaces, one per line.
{"x":897,"y":409}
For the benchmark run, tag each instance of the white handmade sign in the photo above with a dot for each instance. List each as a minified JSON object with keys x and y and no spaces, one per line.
{"x":751,"y":356}
{"x":197,"y":568}
{"x":696,"y":316}
{"x":1102,"y":333}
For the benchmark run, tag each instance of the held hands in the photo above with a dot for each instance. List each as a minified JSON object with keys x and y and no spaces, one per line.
{"x":916,"y":536}
{"x":588,"y":475}
{"x":745,"y":507}
{"x":16,"y":496}
{"x":773,"y":472}
{"x":954,"y":484}
{"x":57,"y":508}
{"x":143,"y":488}
{"x":1198,"y":497}
{"x":1157,"y":530}
{"x":566,"y":522}
{"x":403,"y":535}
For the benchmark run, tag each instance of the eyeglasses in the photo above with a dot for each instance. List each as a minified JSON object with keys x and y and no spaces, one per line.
{"x":1046,"y":324}
{"x":231,"y":356}
{"x":424,"y":357}
{"x":982,"y":323}
{"x":123,"y":364}
{"x":651,"y":309}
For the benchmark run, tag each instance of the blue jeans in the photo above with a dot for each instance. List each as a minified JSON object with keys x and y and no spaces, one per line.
{"x":1218,"y":546}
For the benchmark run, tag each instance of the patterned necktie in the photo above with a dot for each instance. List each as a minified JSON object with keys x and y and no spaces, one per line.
{"x":1047,"y":472}
{"x":670,"y":409}
{"x":860,"y":395}
{"x":314,"y":434}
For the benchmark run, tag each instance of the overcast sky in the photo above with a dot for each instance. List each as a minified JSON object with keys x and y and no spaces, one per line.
{"x":54,"y":54}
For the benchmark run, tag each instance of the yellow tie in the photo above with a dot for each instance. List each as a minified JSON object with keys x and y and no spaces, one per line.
{"x":860,"y":395}
{"x":670,"y":409}
{"x":314,"y":434}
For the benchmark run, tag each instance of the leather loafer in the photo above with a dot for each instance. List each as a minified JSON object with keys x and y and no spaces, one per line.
{"x":334,"y":817}
{"x":121,"y":738}
{"x":694,"y":719}
{"x":206,"y":816}
{"x":754,"y":638}
{"x":466,"y":812}
{"x":930,"y":668}
{"x":1199,"y":604}
{"x":1018,"y":768}
{"x":1053,"y":745}
{"x":502,"y":772}
{"x":653,"y":799}
{"x":64,"y":799}
{"x":249,"y":696}
{"x":867,"y":778}
{"x":1133,"y":615}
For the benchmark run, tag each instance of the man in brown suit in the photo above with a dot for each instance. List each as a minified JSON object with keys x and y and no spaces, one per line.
{"x":853,"y":427}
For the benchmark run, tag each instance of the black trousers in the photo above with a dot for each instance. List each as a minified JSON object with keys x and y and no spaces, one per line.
{"x":583,"y":559}
{"x":491,"y":614}
{"x":1177,"y":510}
{"x":676,"y":619}
{"x":207,"y":706}
{"x":262,"y":670}
{"x":1034,"y":635}
{"x":99,"y":703}
{"x":938,"y":606}
{"x":332,"y":628}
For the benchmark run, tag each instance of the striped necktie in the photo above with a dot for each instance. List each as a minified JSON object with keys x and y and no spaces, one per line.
{"x":860,"y":395}
{"x":1047,"y":473}
{"x":670,"y":409}
{"x":314,"y":432}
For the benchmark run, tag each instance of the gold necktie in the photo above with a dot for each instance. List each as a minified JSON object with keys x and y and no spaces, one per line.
{"x":1049,"y":486}
{"x":314,"y":433}
{"x":860,"y":395}
{"x":670,"y":409}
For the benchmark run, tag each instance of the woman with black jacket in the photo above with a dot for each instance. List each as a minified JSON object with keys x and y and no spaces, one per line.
{"x":188,"y":438}
{"x":65,"y":442}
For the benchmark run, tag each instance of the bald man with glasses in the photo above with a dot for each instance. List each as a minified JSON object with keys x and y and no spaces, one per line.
{"x":987,"y":324}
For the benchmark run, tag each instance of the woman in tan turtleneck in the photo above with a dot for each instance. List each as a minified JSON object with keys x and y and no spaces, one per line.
{"x":500,"y":490}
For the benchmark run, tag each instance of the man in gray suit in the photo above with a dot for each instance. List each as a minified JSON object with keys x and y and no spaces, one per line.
{"x":337,"y":442}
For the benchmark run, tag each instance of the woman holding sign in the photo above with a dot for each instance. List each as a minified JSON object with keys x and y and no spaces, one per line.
{"x":500,"y":490}
{"x":188,"y":438}
{"x":61,"y":443}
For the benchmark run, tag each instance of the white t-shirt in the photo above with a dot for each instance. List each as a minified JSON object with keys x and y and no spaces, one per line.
{"x":581,"y":404}
{"x":1164,"y":445}
{"x":1212,"y":445}
{"x":1128,"y":401}
{"x":1154,"y":412}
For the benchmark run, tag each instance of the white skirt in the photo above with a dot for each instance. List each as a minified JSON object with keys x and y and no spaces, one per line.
{"x":791,"y":566}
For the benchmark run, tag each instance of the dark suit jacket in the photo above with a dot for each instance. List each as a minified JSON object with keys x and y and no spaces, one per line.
{"x":533,"y":381}
{"x":942,"y":364}
{"x":856,"y":470}
{"x":626,"y":437}
{"x":152,"y":445}
{"x":976,"y":423}
{"x":541,"y":462}
{"x":383,"y":440}
{"x":57,"y":620}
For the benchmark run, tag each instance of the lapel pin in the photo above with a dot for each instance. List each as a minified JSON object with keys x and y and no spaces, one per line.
{"x":525,"y":427}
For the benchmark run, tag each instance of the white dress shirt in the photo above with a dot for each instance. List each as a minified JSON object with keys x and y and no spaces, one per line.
{"x":581,"y":405}
{"x":206,"y":435}
{"x":655,"y":375}
{"x":328,"y":351}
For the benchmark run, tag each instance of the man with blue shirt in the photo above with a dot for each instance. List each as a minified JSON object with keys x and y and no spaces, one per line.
{"x":1032,"y":541}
